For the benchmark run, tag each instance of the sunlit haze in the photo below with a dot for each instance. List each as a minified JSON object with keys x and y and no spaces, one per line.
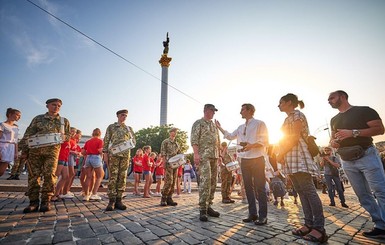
{"x":223,"y":52}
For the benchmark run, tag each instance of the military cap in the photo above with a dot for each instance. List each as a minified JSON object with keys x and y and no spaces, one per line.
{"x":173,"y":130}
{"x":53,"y":100}
{"x":211,"y":107}
{"x":122,"y":111}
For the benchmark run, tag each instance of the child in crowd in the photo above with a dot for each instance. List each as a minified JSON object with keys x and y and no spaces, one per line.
{"x":179,"y":181}
{"x":278,"y":188}
{"x":187,"y":176}
{"x":147,"y":164}
{"x":152,"y":161}
{"x":138,"y":169}
{"x":159,"y":174}
{"x":93,"y":149}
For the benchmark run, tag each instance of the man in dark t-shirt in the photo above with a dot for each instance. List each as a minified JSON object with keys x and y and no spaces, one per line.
{"x":352,"y":131}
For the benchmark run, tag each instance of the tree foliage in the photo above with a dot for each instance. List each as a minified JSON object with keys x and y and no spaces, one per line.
{"x":154,"y":136}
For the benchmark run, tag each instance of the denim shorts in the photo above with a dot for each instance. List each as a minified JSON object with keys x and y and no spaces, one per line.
{"x":159,"y":176}
{"x":63,"y":163}
{"x":146,"y":172}
{"x":94,"y":161}
{"x":72,"y":160}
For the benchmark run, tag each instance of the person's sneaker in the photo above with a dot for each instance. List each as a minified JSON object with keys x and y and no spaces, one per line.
{"x":95,"y":197}
{"x":375,"y":233}
{"x":66,"y":196}
{"x":275,"y":203}
{"x":86,"y":198}
{"x":71,"y":194}
{"x":344,"y":205}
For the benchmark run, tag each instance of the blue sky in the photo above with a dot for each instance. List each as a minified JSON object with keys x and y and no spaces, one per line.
{"x":224,"y":52}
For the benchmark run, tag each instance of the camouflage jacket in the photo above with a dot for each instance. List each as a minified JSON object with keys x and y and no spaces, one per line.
{"x":205,"y":135}
{"x":44,"y":124}
{"x":169,"y":148}
{"x":116,"y":134}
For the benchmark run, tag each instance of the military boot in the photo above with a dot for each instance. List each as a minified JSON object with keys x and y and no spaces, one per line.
{"x":170,"y":202}
{"x":211,"y":212}
{"x":110,"y":205}
{"x":163,"y":201}
{"x":119,"y":204}
{"x":203,"y":215}
{"x":45,"y":205}
{"x":33,"y":207}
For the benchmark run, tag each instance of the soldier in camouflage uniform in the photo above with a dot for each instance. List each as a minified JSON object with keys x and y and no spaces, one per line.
{"x":117,"y":163}
{"x":169,"y":148}
{"x":226,"y":175}
{"x":205,"y":142}
{"x":42,"y":161}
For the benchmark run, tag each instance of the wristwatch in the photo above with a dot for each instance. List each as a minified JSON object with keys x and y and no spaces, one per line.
{"x":355,"y":133}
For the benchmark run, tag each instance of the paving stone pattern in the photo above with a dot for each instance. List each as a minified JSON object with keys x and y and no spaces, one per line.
{"x":73,"y":221}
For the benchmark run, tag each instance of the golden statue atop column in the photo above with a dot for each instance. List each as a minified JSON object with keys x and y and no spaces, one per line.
{"x":165,"y":60}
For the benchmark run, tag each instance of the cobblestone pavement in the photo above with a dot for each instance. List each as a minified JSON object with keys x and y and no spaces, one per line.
{"x":73,"y":221}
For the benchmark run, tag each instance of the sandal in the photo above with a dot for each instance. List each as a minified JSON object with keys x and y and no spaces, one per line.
{"x":304,"y":230}
{"x":310,"y":237}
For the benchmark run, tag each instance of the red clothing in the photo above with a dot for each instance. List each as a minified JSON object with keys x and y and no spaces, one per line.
{"x":64,"y":151}
{"x":180,"y":171}
{"x":153,"y":164}
{"x":93,"y":145}
{"x":145,"y":161}
{"x":159,"y":168}
{"x":138,"y":160}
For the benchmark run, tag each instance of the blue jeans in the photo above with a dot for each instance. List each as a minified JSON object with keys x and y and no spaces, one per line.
{"x":253,"y":173}
{"x":338,"y":186}
{"x":366,"y":175}
{"x":310,"y":201}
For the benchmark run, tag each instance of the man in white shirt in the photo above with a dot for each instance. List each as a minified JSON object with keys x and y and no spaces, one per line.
{"x":253,"y":136}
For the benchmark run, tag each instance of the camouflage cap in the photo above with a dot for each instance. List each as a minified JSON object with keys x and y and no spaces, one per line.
{"x":211,"y":107}
{"x":54,"y":100}
{"x":122,"y":111}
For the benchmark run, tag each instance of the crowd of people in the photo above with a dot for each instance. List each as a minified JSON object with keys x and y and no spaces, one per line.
{"x":50,"y":149}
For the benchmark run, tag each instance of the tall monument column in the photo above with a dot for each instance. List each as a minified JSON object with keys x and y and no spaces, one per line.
{"x":164,"y":63}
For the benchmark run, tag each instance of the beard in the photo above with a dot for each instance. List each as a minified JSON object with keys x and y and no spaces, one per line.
{"x":336,"y":104}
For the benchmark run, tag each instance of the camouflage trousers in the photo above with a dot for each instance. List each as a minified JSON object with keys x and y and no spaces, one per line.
{"x":208,"y":176}
{"x":226,"y":179}
{"x":117,"y":169}
{"x":42,"y":164}
{"x":169,"y":180}
{"x":18,"y":166}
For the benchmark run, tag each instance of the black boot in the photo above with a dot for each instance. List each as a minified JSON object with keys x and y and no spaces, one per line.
{"x":170,"y":202}
{"x":45,"y":206}
{"x":11,"y":177}
{"x":16,"y":177}
{"x":163,"y":201}
{"x":110,"y":205}
{"x":211,"y":212}
{"x":203,"y":215}
{"x":119,"y":204}
{"x":33,"y":207}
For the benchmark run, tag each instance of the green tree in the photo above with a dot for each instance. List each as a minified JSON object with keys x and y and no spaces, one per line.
{"x":154,"y":136}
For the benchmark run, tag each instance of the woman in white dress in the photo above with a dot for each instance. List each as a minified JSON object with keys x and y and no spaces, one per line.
{"x":9,"y":133}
